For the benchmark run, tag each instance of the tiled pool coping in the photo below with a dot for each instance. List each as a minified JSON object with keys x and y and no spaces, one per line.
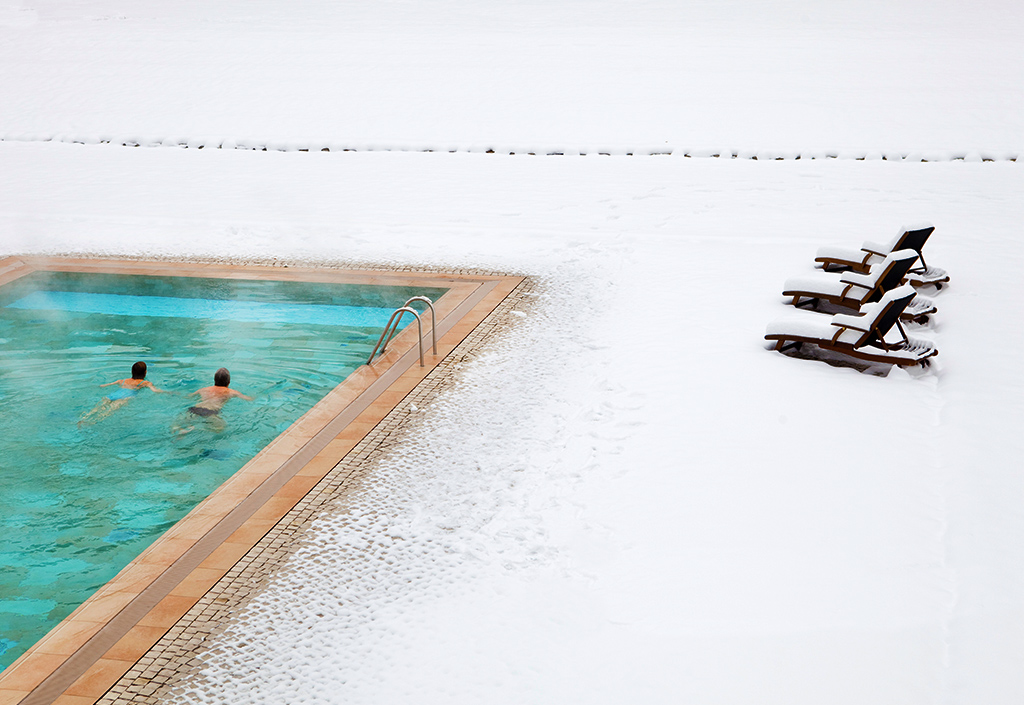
{"x":83,"y":656}
{"x":177,"y":660}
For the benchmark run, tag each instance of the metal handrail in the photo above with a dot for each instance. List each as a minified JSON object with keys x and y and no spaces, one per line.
{"x":385,"y":338}
{"x":433,"y":320}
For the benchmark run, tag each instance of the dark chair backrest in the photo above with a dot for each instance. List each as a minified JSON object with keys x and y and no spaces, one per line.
{"x":895,"y":303}
{"x":913,"y":239}
{"x":899,"y":265}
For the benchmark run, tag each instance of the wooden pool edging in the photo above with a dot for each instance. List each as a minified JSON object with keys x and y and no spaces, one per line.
{"x":78,"y":661}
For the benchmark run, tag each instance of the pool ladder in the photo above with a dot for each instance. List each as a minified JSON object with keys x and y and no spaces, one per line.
{"x":396,"y":318}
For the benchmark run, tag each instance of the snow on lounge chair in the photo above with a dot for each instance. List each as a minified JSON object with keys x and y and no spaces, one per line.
{"x":868,"y":335}
{"x":911,"y":238}
{"x":853,"y":289}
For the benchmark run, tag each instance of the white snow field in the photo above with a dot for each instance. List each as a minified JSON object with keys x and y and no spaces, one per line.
{"x":938,"y":77}
{"x":627,"y":498}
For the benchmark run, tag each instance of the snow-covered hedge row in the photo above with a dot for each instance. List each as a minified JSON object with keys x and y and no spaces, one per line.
{"x":291,"y":145}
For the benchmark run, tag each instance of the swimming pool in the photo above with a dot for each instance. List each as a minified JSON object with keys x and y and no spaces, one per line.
{"x":81,"y":502}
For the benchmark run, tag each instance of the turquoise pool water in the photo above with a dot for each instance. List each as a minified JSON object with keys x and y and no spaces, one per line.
{"x":77,"y":503}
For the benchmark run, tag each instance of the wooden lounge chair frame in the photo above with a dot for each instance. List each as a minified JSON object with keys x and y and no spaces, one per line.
{"x":867,"y":288}
{"x":908,"y":240}
{"x":863,"y":336}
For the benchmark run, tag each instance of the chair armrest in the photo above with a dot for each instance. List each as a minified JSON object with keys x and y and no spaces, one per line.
{"x":875,"y":248}
{"x":854,"y":322}
{"x":866,"y":281}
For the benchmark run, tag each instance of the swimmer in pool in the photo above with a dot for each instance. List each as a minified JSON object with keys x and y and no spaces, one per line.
{"x":211,"y":401}
{"x":127,"y":388}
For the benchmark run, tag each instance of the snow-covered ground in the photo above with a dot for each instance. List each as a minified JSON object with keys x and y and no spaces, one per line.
{"x":627,"y":498}
{"x":865,"y":76}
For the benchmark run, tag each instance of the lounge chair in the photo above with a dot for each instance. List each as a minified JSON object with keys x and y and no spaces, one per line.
{"x":875,"y":334}
{"x":912,"y":238}
{"x":854,"y":289}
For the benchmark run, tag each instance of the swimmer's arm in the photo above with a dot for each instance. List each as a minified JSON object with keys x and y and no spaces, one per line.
{"x":240,"y":395}
{"x":152,"y":386}
{"x":110,"y":383}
